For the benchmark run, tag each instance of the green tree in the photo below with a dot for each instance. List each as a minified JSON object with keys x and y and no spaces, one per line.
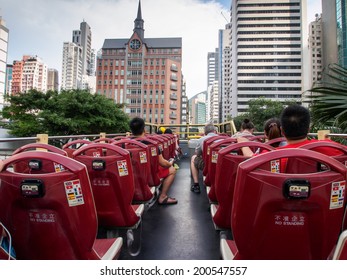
{"x":71,"y":112}
{"x":260,"y":110}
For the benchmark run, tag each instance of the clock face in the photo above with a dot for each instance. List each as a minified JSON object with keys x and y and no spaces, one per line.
{"x":135,"y":44}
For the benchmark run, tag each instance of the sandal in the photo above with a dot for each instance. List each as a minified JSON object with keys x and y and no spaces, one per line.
{"x":195,"y":188}
{"x":167,"y":202}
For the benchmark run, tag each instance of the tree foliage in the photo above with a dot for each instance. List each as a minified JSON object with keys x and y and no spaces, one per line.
{"x":329,"y":99}
{"x":260,"y":110}
{"x":73,"y":112}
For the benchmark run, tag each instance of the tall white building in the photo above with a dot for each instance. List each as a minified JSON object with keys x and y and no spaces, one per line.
{"x":83,"y":38}
{"x":315,"y":49}
{"x":212,"y":65}
{"x":268,"y":51}
{"x":212,"y":76}
{"x":213,"y":102}
{"x":78,"y":70}
{"x":3,"y":59}
{"x":71,"y":76}
{"x":224,"y":73}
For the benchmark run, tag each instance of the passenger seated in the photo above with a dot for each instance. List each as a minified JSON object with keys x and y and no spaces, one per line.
{"x":272,"y":130}
{"x":197,"y":162}
{"x":247,"y":129}
{"x":166,"y":170}
{"x":295,"y":124}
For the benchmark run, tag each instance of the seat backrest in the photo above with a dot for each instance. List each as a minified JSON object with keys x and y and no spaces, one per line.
{"x":49,"y":215}
{"x":104,"y":140}
{"x":258,"y":138}
{"x":206,"y":150}
{"x":153,"y":149}
{"x":213,"y":157}
{"x":163,"y":145}
{"x":141,"y":166}
{"x":334,"y":149}
{"x":288,"y":216}
{"x":228,"y":161}
{"x":36,"y":146}
{"x":276,"y":141}
{"x":112,"y":182}
{"x":34,"y":166}
{"x":72,"y":146}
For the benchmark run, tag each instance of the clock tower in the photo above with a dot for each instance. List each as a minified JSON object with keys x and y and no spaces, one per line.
{"x":139,"y":22}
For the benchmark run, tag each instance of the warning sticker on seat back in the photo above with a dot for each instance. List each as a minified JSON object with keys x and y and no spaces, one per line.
{"x":74,"y":193}
{"x":337,"y":196}
{"x":122,"y":168}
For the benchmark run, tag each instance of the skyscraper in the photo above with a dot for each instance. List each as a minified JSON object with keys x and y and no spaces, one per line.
{"x":3,"y":59}
{"x":71,"y":74}
{"x":83,"y":38}
{"x":144,"y":74}
{"x":315,"y":47}
{"x":78,"y":64}
{"x":224,"y":73}
{"x":334,"y":30}
{"x":268,"y":51}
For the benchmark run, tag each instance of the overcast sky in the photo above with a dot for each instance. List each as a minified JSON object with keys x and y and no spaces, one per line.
{"x":39,"y":27}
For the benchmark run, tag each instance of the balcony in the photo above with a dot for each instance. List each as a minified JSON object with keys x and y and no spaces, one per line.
{"x":173,"y":106}
{"x":173,"y":96}
{"x":173,"y":77}
{"x":173,"y":86}
{"x":173,"y":116}
{"x":174,"y":68}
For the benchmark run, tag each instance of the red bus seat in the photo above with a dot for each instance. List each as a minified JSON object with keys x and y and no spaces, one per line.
{"x":37,"y":146}
{"x":163,"y":144}
{"x":276,"y":141}
{"x":104,"y":140}
{"x":228,"y":161}
{"x":286,"y":216}
{"x":35,"y":165}
{"x":206,"y":153}
{"x":258,"y":138}
{"x":51,"y":216}
{"x":212,"y":158}
{"x":112,"y":183}
{"x":72,"y":146}
{"x":141,"y":166}
{"x":154,"y":179}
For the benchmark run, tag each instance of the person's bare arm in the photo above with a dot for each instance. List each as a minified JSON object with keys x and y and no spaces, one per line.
{"x":163,"y":162}
{"x":245,"y":150}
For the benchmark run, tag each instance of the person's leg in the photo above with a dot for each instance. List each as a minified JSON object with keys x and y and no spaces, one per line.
{"x":194,"y":171}
{"x":167,"y":182}
{"x":194,"y":164}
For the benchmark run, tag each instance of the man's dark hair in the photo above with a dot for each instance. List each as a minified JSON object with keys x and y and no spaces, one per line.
{"x":137,"y":126}
{"x":295,"y":121}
